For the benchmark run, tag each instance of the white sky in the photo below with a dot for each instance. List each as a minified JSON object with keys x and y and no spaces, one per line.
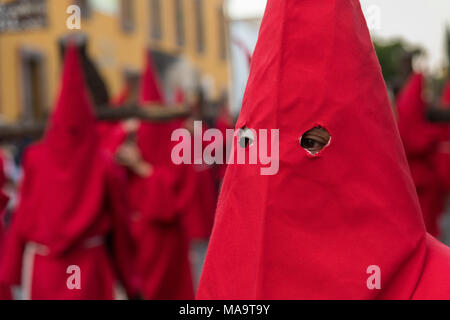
{"x":420,"y":22}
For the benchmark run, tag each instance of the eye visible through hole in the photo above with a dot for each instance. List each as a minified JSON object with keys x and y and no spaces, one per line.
{"x":315,"y":140}
{"x":246,"y":137}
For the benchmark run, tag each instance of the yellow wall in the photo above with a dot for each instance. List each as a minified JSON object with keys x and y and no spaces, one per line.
{"x":110,"y":47}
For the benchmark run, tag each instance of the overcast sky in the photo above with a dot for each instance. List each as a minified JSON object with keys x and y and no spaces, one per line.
{"x":420,"y":22}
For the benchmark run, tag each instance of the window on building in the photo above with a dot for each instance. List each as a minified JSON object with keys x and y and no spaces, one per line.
{"x":156,"y":21}
{"x":127,"y":15}
{"x":199,"y":25}
{"x":179,"y":22}
{"x":33,"y":85}
{"x":85,"y":7}
{"x":222,"y":33}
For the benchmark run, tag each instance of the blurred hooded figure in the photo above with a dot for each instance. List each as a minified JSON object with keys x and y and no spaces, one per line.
{"x":200,"y":218}
{"x":443,"y":157}
{"x":343,"y":209}
{"x":113,"y":134}
{"x":69,"y":236}
{"x":200,"y":187}
{"x":422,"y":140}
{"x":93,"y":79}
{"x":158,"y":199}
{"x":5,"y":290}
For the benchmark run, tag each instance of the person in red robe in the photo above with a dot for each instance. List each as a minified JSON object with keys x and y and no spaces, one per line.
{"x":341,"y":218}
{"x":158,"y":200}
{"x":201,"y":191}
{"x":5,"y":290}
{"x":422,"y":140}
{"x":69,"y":236}
{"x":113,"y":134}
{"x":200,"y":216}
{"x":443,"y":155}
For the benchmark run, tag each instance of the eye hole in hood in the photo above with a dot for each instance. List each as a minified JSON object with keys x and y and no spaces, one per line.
{"x":315,"y":140}
{"x":246,"y":137}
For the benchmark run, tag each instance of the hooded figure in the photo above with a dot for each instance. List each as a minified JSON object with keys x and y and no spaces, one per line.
{"x":422,"y":141}
{"x":5,"y":290}
{"x":443,"y":156}
{"x":113,"y":134}
{"x":200,"y":181}
{"x":342,"y":223}
{"x":158,"y":200}
{"x":71,"y":203}
{"x":200,"y":216}
{"x":93,"y":79}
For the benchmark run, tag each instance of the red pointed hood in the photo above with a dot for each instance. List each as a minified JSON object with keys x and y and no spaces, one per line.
{"x":150,"y":91}
{"x":313,"y":229}
{"x":154,"y":139}
{"x":62,"y":192}
{"x":420,"y":137}
{"x":73,"y":118}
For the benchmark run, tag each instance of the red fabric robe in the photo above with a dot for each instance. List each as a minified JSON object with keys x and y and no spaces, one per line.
{"x":71,"y":201}
{"x":314,"y":229}
{"x":201,"y":210}
{"x":200,"y":187}
{"x":158,"y":202}
{"x":443,"y":155}
{"x":422,"y":140}
{"x":5,"y":290}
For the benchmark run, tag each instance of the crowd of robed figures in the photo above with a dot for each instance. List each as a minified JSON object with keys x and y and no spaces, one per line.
{"x":107,"y":199}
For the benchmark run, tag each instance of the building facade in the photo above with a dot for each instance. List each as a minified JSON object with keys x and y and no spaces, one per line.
{"x":118,"y":33}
